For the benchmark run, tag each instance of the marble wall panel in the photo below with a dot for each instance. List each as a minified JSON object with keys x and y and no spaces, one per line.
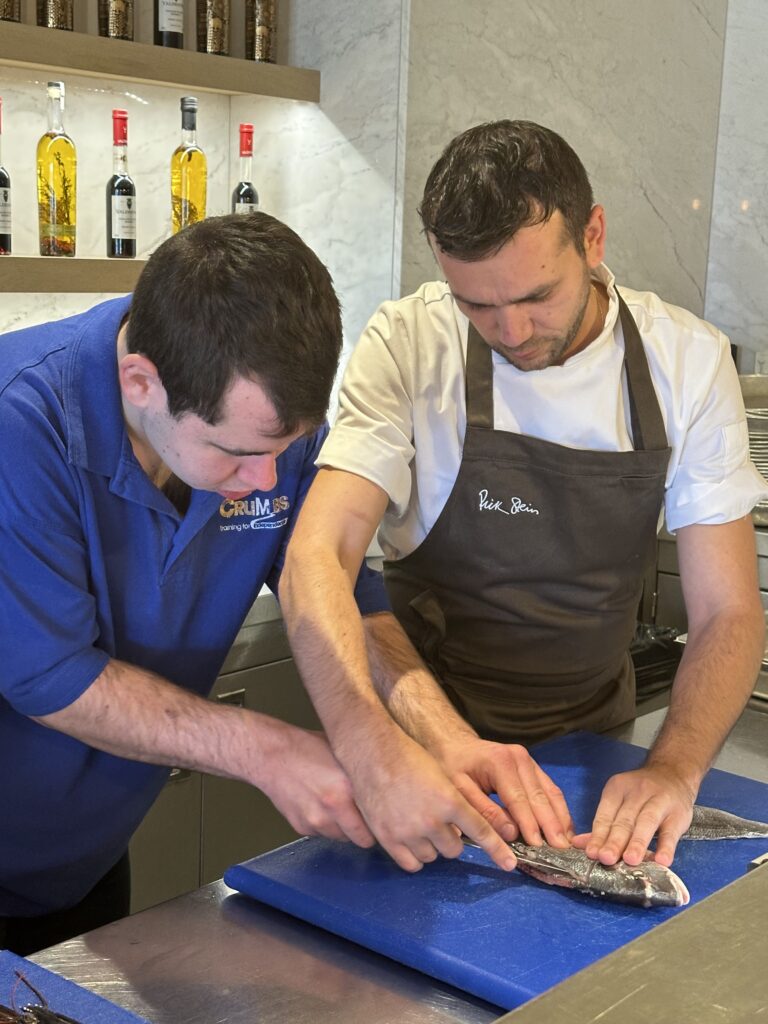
{"x":737,"y":296}
{"x":633,"y":87}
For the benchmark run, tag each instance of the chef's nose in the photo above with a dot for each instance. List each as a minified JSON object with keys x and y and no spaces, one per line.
{"x":258,"y":472}
{"x":514,"y":325}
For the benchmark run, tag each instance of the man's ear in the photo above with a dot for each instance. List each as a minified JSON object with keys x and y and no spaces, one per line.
{"x":594,"y":237}
{"x":140,"y":382}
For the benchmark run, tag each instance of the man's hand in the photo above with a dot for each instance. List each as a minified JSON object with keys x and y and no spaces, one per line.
{"x":633,"y":808}
{"x":533,"y":807}
{"x":310,"y":788}
{"x":413,"y":808}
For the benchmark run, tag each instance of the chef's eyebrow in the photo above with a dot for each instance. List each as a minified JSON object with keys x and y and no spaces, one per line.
{"x":535,"y":296}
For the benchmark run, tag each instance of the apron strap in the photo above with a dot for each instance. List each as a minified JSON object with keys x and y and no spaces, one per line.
{"x":648,"y":432}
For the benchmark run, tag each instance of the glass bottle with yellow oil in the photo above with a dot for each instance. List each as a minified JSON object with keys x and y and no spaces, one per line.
{"x":188,"y":171}
{"x":56,"y":181}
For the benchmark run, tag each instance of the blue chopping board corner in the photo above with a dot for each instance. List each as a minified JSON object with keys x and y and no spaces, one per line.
{"x":503,"y":937}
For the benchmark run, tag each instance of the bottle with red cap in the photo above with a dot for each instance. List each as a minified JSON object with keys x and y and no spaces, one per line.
{"x":245,"y":198}
{"x":121,"y":194}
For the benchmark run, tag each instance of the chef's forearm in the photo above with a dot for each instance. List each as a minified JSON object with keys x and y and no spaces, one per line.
{"x":135,"y":714}
{"x":410,"y":692}
{"x":713,"y":683}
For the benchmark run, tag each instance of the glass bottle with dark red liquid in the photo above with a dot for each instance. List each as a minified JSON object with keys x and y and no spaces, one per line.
{"x":5,"y":197}
{"x":121,"y":194}
{"x":245,"y":198}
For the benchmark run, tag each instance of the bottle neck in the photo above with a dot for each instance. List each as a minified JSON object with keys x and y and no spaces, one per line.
{"x":120,"y":158}
{"x":189,"y":137}
{"x":55,"y":115}
{"x":246,"y":168}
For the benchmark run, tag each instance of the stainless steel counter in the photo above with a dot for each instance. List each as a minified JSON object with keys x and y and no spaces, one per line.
{"x":214,"y":956}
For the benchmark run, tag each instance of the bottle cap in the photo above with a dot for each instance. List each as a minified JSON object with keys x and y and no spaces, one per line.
{"x":189,"y":103}
{"x":56,"y":89}
{"x":246,"y":140}
{"x":119,"y":127}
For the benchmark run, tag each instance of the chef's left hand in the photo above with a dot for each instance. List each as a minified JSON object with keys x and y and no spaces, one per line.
{"x":634,"y":807}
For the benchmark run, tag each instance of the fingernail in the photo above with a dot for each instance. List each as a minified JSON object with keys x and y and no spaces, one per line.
{"x":569,"y":835}
{"x":509,"y":864}
{"x":509,"y":832}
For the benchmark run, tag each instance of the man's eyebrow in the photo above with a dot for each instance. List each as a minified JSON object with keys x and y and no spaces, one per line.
{"x":237,"y":452}
{"x":534,"y":296}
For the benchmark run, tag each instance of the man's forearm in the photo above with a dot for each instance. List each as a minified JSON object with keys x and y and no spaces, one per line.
{"x":714,"y":680}
{"x":408,"y":689}
{"x":135,"y":714}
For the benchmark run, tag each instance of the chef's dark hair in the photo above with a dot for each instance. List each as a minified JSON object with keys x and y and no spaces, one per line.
{"x":498,"y":177}
{"x":239,"y":296}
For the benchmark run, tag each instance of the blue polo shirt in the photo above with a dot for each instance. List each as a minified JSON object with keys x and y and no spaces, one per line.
{"x":96,"y":563}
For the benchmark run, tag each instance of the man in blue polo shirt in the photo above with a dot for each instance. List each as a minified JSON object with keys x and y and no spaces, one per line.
{"x":153,"y":454}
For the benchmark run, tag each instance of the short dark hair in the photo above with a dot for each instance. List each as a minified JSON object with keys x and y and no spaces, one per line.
{"x":498,"y":177}
{"x":239,"y":296}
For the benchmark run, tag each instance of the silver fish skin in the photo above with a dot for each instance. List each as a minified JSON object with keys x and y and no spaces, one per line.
{"x":647,"y":885}
{"x":711,"y":823}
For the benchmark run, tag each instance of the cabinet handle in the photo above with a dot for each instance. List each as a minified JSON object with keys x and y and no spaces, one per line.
{"x":179,"y":774}
{"x":234,"y":697}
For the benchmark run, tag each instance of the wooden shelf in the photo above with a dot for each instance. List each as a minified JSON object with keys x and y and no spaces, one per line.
{"x":28,"y":46}
{"x":68,"y":274}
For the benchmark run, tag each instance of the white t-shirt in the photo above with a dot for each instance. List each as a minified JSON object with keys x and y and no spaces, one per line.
{"x":402,"y":410}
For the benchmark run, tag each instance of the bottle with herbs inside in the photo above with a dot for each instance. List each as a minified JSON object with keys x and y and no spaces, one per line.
{"x":55,"y":14}
{"x":5,"y":197}
{"x":169,"y":23}
{"x":245,"y":198}
{"x":260,"y":30}
{"x":56,"y":181}
{"x":189,"y":171}
{"x":213,"y":26}
{"x":121,"y":194}
{"x":116,"y":19}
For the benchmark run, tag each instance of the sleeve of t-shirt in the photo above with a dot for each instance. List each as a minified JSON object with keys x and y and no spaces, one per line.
{"x":48,"y":627}
{"x":370,"y":593}
{"x":373,"y":433}
{"x":714,"y":481}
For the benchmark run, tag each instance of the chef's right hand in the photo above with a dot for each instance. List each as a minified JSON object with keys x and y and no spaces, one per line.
{"x":412,"y":807}
{"x":532,"y":806}
{"x":309,"y":787}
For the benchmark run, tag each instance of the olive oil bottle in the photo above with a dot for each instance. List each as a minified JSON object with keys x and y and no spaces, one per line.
{"x":56,"y":181}
{"x":189,"y":171}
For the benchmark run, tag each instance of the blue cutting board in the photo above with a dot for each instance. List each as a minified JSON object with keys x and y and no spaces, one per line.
{"x":502,"y":937}
{"x":61,"y":995}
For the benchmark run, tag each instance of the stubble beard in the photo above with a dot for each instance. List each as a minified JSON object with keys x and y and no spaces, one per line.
{"x":552,"y":349}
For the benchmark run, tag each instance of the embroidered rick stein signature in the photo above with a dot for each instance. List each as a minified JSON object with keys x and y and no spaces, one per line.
{"x":515,"y":507}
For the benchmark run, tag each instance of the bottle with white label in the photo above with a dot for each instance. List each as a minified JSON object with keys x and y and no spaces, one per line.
{"x":169,"y":23}
{"x":245,"y":198}
{"x":5,"y":197}
{"x":121,"y":194}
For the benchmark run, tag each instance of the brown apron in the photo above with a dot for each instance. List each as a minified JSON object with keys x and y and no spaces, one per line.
{"x":523,"y":597}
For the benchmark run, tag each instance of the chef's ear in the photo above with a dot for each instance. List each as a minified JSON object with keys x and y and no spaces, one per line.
{"x":140,"y":382}
{"x":594,"y":237}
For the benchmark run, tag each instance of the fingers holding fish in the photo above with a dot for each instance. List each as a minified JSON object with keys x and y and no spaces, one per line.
{"x":635,"y":806}
{"x":533,"y":806}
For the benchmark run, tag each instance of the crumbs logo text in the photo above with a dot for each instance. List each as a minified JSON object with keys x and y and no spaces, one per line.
{"x":254,"y":514}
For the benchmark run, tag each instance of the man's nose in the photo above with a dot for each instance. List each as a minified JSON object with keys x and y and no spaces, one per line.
{"x":258,"y":472}
{"x":514,"y":326}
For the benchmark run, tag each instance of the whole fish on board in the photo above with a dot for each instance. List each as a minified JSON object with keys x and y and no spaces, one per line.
{"x":645,"y":885}
{"x":711,"y":823}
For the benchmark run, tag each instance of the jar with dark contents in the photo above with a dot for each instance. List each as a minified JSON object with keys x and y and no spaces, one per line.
{"x":55,"y":14}
{"x":261,"y":30}
{"x":116,"y":19}
{"x":10,"y":10}
{"x":213,"y":26}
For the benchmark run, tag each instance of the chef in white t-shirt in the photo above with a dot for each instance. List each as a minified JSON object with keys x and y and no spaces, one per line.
{"x":515,"y":433}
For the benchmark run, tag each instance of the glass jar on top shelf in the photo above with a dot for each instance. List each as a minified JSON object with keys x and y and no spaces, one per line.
{"x":213,"y":26}
{"x":55,"y":14}
{"x":10,"y":10}
{"x":116,"y":19}
{"x":261,"y":30}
